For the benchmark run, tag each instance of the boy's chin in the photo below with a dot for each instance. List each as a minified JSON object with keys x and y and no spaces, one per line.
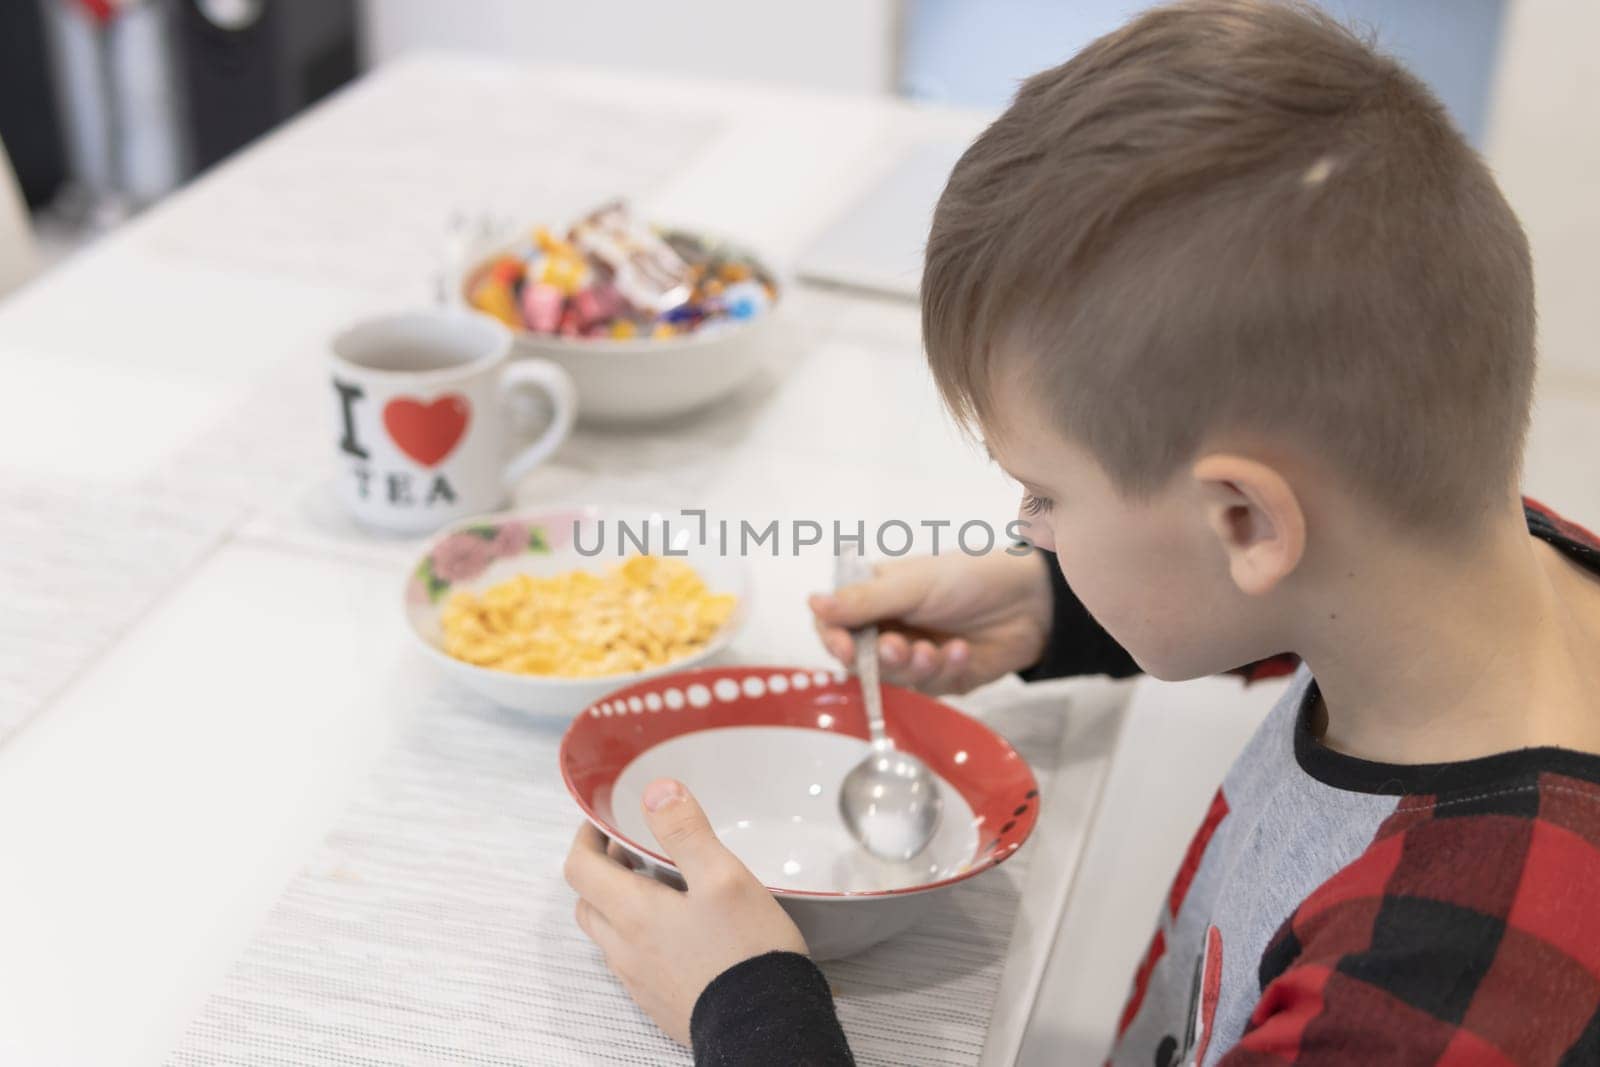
{"x":1173,"y":675}
{"x":1177,"y":669}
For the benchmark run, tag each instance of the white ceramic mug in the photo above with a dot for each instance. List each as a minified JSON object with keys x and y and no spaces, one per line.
{"x":421,"y":422}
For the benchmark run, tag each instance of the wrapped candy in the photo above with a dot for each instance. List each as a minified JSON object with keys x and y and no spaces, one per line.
{"x":494,"y":297}
{"x":645,"y":269}
{"x":616,"y":279}
{"x":541,"y":307}
{"x":745,"y":300}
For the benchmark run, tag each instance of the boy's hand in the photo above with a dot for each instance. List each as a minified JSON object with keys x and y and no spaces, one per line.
{"x":946,"y":623}
{"x":664,"y":944}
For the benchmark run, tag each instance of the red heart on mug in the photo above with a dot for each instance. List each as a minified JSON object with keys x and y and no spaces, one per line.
{"x":427,"y":432}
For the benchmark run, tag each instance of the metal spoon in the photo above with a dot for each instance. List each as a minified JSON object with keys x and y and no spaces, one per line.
{"x":890,"y":800}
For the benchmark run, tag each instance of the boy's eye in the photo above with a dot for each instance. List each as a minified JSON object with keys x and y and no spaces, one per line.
{"x":1036,"y":505}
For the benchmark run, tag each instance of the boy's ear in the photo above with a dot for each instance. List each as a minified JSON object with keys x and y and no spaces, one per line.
{"x":1256,"y":517}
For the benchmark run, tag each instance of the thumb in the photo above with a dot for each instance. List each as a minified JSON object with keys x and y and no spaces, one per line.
{"x":682,"y":828}
{"x":891,"y":594}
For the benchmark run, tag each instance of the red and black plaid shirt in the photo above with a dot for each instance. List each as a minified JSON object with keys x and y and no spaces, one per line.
{"x":1468,"y":933}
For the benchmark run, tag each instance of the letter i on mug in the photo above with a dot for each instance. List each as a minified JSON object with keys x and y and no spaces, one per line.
{"x":419,"y":403}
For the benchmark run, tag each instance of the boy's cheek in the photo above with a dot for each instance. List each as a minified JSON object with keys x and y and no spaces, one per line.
{"x":1173,"y":638}
{"x":1155,"y":650}
{"x":1142,"y":590}
{"x":1140,"y":619}
{"x":1094,"y":581}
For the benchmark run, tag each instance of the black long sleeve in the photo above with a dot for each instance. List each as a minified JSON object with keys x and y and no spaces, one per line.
{"x":1077,"y":644}
{"x":773,"y":1010}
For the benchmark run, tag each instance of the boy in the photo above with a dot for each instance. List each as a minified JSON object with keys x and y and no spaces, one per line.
{"x":1254,"y":329}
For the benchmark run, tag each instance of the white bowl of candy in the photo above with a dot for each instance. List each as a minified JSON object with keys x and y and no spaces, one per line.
{"x":649,"y":322}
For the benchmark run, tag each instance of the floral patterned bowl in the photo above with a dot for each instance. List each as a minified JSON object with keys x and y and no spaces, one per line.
{"x":480,"y":552}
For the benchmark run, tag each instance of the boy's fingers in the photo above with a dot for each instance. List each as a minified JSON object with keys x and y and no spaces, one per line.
{"x":600,"y":880}
{"x":935,"y":668}
{"x":597,"y":928}
{"x":683,"y":830}
{"x":894,"y":649}
{"x":951,"y":677}
{"x":894,"y":659}
{"x":884,"y":596}
{"x":837,"y":641}
{"x":914,"y":663}
{"x":937,"y":664}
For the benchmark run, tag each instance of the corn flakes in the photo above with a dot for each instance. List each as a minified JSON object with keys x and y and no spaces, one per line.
{"x":644,"y":612}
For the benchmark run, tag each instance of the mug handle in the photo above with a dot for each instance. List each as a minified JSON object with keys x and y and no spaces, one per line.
{"x":555,"y":383}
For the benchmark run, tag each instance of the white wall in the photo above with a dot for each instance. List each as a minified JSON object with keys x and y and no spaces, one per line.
{"x":842,"y":45}
{"x":1544,"y":144}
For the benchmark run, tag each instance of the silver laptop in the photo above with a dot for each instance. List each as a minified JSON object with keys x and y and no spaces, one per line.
{"x":876,"y":244}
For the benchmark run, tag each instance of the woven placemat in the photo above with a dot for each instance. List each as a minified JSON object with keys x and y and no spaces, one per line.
{"x":89,"y":559}
{"x":84,"y":562}
{"x":433,"y":926}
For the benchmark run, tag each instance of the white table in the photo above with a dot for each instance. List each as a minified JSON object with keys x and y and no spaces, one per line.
{"x":157,"y":805}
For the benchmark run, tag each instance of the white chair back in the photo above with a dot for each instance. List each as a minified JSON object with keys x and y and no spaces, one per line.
{"x":18,"y":258}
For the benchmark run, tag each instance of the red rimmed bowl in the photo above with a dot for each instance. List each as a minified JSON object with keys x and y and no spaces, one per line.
{"x":764,"y":749}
